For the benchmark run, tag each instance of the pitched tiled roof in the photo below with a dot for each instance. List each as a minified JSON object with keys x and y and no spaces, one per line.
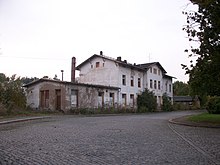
{"x":123,"y":63}
{"x":182,"y":99}
{"x":148,"y":65}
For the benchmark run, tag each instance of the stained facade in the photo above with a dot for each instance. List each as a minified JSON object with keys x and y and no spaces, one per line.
{"x":103,"y":82}
{"x":47,"y":94}
{"x":132,"y":79}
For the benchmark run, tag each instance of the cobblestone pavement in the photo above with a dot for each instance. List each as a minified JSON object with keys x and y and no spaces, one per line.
{"x":124,"y":139}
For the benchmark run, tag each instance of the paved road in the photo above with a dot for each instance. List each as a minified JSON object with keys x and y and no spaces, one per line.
{"x":126,"y":139}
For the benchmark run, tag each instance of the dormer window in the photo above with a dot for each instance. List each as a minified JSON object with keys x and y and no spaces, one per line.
{"x":155,"y":71}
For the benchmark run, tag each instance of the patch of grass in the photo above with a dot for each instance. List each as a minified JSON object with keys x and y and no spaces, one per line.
{"x":206,"y":117}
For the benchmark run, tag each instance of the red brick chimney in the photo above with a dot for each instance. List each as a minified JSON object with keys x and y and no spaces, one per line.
{"x":73,"y":66}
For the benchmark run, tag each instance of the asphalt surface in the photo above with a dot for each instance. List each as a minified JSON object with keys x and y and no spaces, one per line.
{"x":123,"y":139}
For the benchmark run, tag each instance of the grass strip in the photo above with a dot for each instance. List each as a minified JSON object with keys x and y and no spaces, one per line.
{"x":205,"y":117}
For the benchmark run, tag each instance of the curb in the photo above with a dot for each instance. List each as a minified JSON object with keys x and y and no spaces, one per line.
{"x":23,"y":119}
{"x":192,"y":124}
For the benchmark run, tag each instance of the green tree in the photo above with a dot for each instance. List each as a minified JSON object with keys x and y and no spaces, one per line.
{"x":146,"y":102}
{"x":12,"y":94}
{"x":203,"y":27}
{"x":180,"y":88}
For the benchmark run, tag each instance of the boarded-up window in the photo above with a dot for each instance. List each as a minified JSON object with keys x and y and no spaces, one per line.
{"x":74,"y":97}
{"x":112,"y":99}
{"x":44,"y":99}
{"x":132,"y":100}
{"x":97,"y":64}
{"x":124,"y":100}
{"x":100,"y":99}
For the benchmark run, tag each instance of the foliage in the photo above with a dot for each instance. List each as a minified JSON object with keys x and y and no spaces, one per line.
{"x":180,"y":88}
{"x":12,"y":95}
{"x":91,"y":111}
{"x":203,"y":28}
{"x":146,"y":102}
{"x":213,"y":105}
{"x":205,"y":117}
{"x":27,"y":80}
{"x":167,"y":105}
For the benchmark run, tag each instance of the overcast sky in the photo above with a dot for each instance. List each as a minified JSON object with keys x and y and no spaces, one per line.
{"x":39,"y":37}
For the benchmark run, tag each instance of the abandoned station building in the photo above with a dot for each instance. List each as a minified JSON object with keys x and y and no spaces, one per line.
{"x":103,"y":82}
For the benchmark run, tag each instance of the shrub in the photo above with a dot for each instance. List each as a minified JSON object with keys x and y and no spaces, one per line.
{"x":146,"y":102}
{"x":213,"y":105}
{"x":167,"y":105}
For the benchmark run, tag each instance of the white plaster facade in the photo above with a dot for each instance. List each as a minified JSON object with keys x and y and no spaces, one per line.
{"x":131,"y":79}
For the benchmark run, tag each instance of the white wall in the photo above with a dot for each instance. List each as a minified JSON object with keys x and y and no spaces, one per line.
{"x":103,"y":75}
{"x":33,"y":96}
{"x":128,"y":89}
{"x":110,"y":74}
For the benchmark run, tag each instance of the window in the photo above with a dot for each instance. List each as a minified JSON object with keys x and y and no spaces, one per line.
{"x":151,"y":83}
{"x":155,"y":71}
{"x":139,"y":82}
{"x":123,"y":79}
{"x":158,"y":72}
{"x":150,"y":70}
{"x":112,"y":97}
{"x":91,"y":66}
{"x":74,"y":97}
{"x":159,"y":85}
{"x":97,"y":64}
{"x":44,"y":99}
{"x":166,"y":86}
{"x":103,"y":64}
{"x":155,"y":84}
{"x":124,"y":100}
{"x":132,"y":81}
{"x":100,"y":99}
{"x":169,"y":87}
{"x":132,"y":100}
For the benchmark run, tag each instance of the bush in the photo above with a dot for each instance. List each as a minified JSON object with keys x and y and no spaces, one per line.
{"x":146,"y":102}
{"x":167,"y":105}
{"x":213,"y":105}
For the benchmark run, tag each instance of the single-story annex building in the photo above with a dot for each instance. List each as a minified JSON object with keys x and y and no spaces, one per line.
{"x":48,"y":94}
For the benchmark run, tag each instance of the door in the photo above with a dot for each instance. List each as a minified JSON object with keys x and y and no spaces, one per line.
{"x":58,"y":99}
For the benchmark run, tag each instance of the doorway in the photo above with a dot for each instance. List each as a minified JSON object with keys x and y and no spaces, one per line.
{"x":58,"y":99}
